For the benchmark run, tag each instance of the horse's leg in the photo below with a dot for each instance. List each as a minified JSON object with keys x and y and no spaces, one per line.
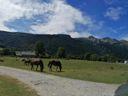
{"x":37,"y":67}
{"x":56,"y":68}
{"x":60,"y":68}
{"x":31,"y":66}
{"x":41,"y":68}
{"x":25,"y":64}
{"x":50,"y":68}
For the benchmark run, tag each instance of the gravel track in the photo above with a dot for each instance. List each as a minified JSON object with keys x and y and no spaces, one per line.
{"x":49,"y":85}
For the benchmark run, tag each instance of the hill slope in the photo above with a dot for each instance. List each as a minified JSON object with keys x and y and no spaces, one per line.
{"x":73,"y":46}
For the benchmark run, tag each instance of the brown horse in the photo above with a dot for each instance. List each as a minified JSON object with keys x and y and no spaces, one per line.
{"x":1,"y":60}
{"x":37,"y":62}
{"x":55,"y":63}
{"x":26,"y":61}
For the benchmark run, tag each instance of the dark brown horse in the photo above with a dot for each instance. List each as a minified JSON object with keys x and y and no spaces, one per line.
{"x":55,"y":63}
{"x":37,"y":63}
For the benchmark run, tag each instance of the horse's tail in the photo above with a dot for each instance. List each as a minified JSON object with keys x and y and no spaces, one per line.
{"x":60,"y":66}
{"x":41,"y":65}
{"x":41,"y":62}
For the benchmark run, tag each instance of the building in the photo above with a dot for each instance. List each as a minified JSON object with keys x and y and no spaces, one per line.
{"x":125,"y":62}
{"x":25,"y":53}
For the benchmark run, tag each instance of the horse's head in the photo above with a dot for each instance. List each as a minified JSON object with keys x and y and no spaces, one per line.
{"x":23,"y":59}
{"x":49,"y":64}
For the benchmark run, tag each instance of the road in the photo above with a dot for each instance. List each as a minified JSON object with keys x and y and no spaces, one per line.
{"x":49,"y":85}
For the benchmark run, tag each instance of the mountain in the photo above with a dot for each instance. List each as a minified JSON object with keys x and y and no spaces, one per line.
{"x":24,"y":41}
{"x":73,"y":46}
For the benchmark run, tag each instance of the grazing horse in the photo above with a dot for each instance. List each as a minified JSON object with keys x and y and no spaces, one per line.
{"x":55,"y":63}
{"x":26,"y":61}
{"x":1,"y":60}
{"x":23,"y":59}
{"x":37,"y":62}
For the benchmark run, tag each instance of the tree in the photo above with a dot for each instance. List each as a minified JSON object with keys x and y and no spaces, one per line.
{"x":109,"y":58}
{"x":94,"y":57}
{"x":87,"y":56}
{"x":6,"y":51}
{"x":39,"y":49}
{"x":61,"y":52}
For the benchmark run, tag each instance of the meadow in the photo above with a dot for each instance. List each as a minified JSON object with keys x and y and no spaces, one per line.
{"x":81,"y":69}
{"x":12,"y":87}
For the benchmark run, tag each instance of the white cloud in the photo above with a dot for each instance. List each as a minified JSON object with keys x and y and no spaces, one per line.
{"x":15,"y":9}
{"x":114,"y":13}
{"x":77,"y":34}
{"x":110,"y":1}
{"x":61,"y":21}
{"x":125,"y":38}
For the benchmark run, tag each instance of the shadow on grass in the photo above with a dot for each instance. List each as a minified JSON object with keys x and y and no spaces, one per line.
{"x":48,"y":71}
{"x":122,"y":90}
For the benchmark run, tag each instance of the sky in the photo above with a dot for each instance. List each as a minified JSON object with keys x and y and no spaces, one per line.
{"x":77,"y":18}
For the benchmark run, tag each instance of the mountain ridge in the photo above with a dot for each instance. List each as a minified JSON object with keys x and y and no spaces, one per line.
{"x":73,"y":46}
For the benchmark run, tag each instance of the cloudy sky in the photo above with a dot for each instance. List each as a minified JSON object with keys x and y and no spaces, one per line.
{"x":78,"y":18}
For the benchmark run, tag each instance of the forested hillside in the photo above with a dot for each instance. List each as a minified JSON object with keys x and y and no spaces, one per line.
{"x":73,"y":46}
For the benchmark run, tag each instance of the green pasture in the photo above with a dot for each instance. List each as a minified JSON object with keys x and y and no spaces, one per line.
{"x":12,"y":87}
{"x":81,"y":69}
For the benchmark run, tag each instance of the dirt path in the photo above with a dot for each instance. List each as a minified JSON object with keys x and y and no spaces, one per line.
{"x":48,"y":85}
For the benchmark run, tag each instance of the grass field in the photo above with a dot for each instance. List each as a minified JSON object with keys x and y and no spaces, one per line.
{"x":83,"y":70}
{"x":12,"y":87}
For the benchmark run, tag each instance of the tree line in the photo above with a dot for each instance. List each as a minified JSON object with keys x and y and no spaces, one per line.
{"x":41,"y":51}
{"x":61,"y":53}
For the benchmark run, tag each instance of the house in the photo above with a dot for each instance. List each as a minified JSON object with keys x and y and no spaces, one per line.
{"x":25,"y":53}
{"x":125,"y":62}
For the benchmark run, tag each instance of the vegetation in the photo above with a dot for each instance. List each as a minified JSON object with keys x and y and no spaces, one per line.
{"x":12,"y":87}
{"x":61,"y":52}
{"x":7,"y":52}
{"x":91,"y":49}
{"x":75,"y":47}
{"x":81,"y":69}
{"x":39,"y":49}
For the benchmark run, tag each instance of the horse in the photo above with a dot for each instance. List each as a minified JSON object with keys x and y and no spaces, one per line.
{"x":23,"y":59}
{"x":55,"y":63}
{"x":37,"y":62}
{"x":26,"y":61}
{"x":1,"y":60}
